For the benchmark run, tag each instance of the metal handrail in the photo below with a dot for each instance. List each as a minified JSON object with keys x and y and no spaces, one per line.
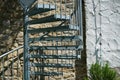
{"x":9,"y":63}
{"x":10,"y":52}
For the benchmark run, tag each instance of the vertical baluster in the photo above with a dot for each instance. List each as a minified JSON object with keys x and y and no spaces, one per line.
{"x":57,"y":55}
{"x":1,"y":67}
{"x":60,"y":8}
{"x":42,"y":61}
{"x":8,"y":72}
{"x":33,"y":60}
{"x":78,"y":14}
{"x":72,"y":56}
{"x":55,"y":6}
{"x":65,"y":9}
{"x":81,"y":24}
{"x":53,"y":51}
{"x":72,"y":10}
{"x":48,"y":52}
{"x":12,"y":73}
{"x":3,"y":73}
{"x":18,"y":63}
{"x":61,"y":33}
{"x":38,"y":68}
{"x":60,"y":43}
{"x":80,"y":21}
{"x":73,"y":24}
{"x":76,"y":21}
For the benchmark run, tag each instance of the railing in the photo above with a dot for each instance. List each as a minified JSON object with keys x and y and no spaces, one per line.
{"x":11,"y":65}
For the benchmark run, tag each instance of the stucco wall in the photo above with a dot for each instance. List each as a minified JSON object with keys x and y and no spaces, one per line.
{"x":110,"y":29}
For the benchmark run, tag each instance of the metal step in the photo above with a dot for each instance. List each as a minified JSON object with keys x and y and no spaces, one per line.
{"x":54,"y":29}
{"x":51,"y":65}
{"x":47,"y":73}
{"x":57,"y":38}
{"x":54,"y":56}
{"x":73,"y":47}
{"x":40,"y":8}
{"x":51,"y":18}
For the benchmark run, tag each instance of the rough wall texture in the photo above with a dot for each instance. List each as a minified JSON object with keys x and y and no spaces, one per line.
{"x":10,"y":24}
{"x":109,"y":10}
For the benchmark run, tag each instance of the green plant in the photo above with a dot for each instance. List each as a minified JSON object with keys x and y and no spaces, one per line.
{"x":98,"y":72}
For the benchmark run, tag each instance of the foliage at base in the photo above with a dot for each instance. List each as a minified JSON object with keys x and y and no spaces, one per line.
{"x":98,"y":72}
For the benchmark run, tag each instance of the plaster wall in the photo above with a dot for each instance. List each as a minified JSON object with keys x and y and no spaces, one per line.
{"x":105,"y":15}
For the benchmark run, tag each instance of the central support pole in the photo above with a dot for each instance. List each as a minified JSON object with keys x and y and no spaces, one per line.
{"x":26,"y":50}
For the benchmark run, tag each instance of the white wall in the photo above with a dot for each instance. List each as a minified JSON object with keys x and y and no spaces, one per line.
{"x":110,"y":15}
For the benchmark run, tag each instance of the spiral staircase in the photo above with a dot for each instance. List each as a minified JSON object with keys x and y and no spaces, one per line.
{"x":53,"y":37}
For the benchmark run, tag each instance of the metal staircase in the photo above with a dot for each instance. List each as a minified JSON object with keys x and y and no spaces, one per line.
{"x":49,"y":49}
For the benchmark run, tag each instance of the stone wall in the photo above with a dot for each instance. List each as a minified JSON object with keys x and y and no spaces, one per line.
{"x":10,"y":24}
{"x":109,"y":13}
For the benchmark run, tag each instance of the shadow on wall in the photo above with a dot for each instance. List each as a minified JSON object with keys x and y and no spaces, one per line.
{"x":10,"y":23}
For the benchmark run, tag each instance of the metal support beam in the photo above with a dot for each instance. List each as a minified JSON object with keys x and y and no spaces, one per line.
{"x":26,"y":59}
{"x":26,"y":3}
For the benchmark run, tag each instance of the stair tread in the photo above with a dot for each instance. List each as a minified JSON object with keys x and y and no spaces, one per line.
{"x":56,"y":38}
{"x":51,"y":65}
{"x":54,"y":29}
{"x":73,"y":47}
{"x":55,"y":56}
{"x":51,"y":18}
{"x":47,"y":73}
{"x":63,"y":17}
{"x":40,"y":8}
